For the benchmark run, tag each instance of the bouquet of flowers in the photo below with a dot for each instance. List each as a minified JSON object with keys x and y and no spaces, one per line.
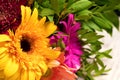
{"x":54,"y":39}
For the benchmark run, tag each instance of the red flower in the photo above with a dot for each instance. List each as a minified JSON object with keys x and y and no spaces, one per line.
{"x":10,"y":14}
{"x":61,"y":72}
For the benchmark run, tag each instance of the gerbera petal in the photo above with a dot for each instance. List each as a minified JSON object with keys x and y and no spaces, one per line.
{"x":38,"y":75}
{"x":2,"y":49}
{"x":41,"y":22}
{"x":1,"y":75}
{"x":34,"y":17}
{"x":24,"y":75}
{"x":16,"y":76}
{"x":23,"y":13}
{"x":4,"y":37}
{"x":53,"y":63}
{"x":43,"y":66}
{"x":50,"y":28}
{"x":31,"y":75}
{"x":3,"y":61}
{"x":52,"y":54}
{"x":28,"y":14}
{"x":14,"y":68}
{"x":2,"y":54}
{"x":62,"y":73}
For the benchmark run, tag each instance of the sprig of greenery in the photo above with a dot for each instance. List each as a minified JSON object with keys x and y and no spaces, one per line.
{"x":94,"y":15}
{"x":92,"y":64}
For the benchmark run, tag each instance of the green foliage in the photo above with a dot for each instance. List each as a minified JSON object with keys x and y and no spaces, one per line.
{"x":78,"y":6}
{"x":57,"y":5}
{"x":92,"y":64}
{"x":94,"y":15}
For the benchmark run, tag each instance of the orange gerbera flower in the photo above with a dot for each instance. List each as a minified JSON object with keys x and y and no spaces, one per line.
{"x":25,"y":54}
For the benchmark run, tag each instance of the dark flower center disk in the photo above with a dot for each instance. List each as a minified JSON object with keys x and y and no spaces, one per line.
{"x":25,"y":45}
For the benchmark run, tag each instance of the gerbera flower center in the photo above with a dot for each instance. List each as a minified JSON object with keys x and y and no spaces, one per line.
{"x":25,"y":45}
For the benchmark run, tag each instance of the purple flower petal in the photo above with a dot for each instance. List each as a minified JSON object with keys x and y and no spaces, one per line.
{"x":73,"y":48}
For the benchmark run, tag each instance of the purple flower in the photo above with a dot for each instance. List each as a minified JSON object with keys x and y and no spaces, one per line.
{"x":10,"y":14}
{"x":68,"y":35}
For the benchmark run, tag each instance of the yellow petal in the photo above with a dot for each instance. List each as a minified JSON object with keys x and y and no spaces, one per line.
{"x":2,"y":52}
{"x":2,"y":44}
{"x":2,"y":55}
{"x":28,"y":14}
{"x":23,"y":13}
{"x":31,"y":75}
{"x":1,"y":75}
{"x":42,"y":22}
{"x":38,"y":75}
{"x":16,"y":76}
{"x":50,"y":28}
{"x":4,"y":37}
{"x":34,"y":17}
{"x":2,"y":49}
{"x":43,"y":66}
{"x":3,"y":61}
{"x":52,"y":54}
{"x":11,"y":68}
{"x":24,"y":75}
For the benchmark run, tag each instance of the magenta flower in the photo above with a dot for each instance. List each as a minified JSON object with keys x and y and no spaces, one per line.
{"x":10,"y":14}
{"x":69,"y":36}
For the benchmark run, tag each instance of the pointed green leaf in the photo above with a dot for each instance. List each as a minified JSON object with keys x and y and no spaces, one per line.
{"x":99,"y":61}
{"x":46,"y":12}
{"x":79,"y":5}
{"x":57,"y":5}
{"x":114,"y":19}
{"x":103,"y":24}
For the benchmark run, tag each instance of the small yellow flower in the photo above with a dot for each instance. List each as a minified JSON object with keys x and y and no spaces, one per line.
{"x":26,"y":54}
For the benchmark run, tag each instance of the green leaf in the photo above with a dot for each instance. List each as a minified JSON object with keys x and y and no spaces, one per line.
{"x":96,"y":68}
{"x":95,"y":46}
{"x":57,"y":5}
{"x":79,"y":73}
{"x":46,"y":12}
{"x":44,"y":3}
{"x":103,"y":23}
{"x":84,"y":15}
{"x":99,"y":61}
{"x":100,"y":2}
{"x":70,"y":2}
{"x":90,"y":76}
{"x":101,"y":71}
{"x":85,"y":26}
{"x":114,"y":19}
{"x":105,"y":54}
{"x":82,"y":31}
{"x":78,"y":6}
{"x":91,"y":36}
{"x":50,"y":18}
{"x":61,"y":44}
{"x":118,"y":7}
{"x":36,"y":5}
{"x":89,"y":67}
{"x":114,"y":2}
{"x":93,"y":25}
